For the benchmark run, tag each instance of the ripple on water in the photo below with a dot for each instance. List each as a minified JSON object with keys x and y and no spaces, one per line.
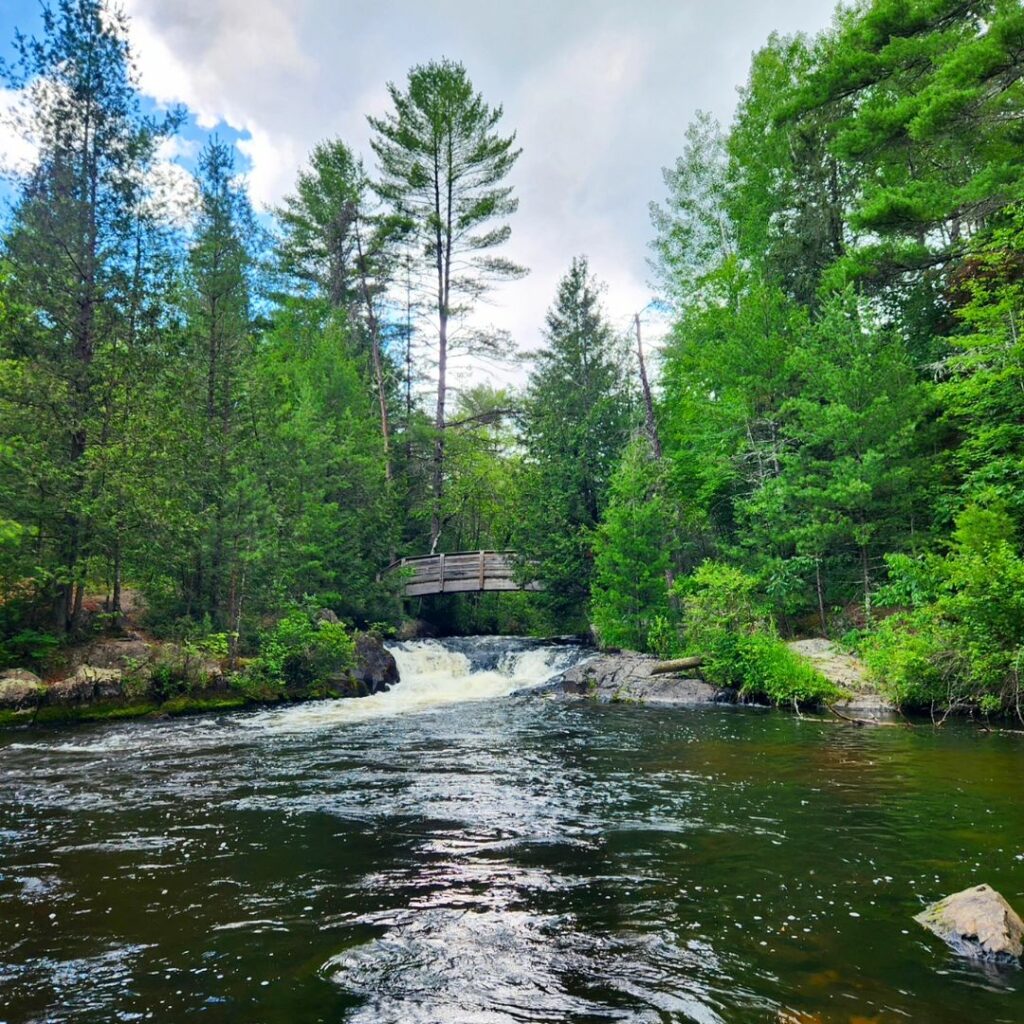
{"x":499,"y":860}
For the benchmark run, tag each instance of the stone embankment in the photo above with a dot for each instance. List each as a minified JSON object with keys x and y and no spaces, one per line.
{"x":628,"y":677}
{"x":849,"y":673}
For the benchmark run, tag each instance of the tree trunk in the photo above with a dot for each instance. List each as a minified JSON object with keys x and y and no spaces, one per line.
{"x":378,"y":362}
{"x":821,"y":597}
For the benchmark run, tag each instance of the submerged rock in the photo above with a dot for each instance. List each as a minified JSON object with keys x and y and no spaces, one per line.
{"x":978,"y":923}
{"x":628,"y":677}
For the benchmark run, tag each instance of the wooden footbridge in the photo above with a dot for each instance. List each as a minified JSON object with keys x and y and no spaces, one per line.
{"x":460,"y":572}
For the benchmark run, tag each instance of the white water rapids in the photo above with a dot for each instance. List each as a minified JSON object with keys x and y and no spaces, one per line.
{"x":435,"y":673}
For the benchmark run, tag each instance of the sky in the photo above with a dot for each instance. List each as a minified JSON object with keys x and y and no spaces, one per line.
{"x":599,"y":93}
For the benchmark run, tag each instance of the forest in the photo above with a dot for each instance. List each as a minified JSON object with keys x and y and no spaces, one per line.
{"x":242,"y":418}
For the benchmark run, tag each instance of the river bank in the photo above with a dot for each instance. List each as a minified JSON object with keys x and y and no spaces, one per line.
{"x":134,"y":677}
{"x":633,"y":678}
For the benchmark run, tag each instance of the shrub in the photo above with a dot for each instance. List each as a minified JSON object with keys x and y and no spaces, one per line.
{"x":761,"y":665}
{"x":720,"y":599}
{"x":728,"y":625}
{"x":961,"y":643}
{"x":300,"y":653}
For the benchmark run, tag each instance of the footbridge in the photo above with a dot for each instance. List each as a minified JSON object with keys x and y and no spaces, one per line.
{"x":460,"y":572}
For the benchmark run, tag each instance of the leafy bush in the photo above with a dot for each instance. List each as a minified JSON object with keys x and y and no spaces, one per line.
{"x":662,"y":637}
{"x":728,"y":625}
{"x":720,"y":599}
{"x":27,"y":647}
{"x":761,"y":665}
{"x":961,"y":643}
{"x":301,"y":653}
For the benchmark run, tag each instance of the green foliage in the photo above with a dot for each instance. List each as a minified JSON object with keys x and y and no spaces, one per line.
{"x":300,"y":653}
{"x":629,"y":597}
{"x":720,"y":599}
{"x":727,"y":624}
{"x":28,"y":647}
{"x":962,"y":645}
{"x":577,"y":418}
{"x":760,"y":665}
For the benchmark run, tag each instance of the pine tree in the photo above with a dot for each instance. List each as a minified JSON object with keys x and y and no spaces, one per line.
{"x":443,"y":166}
{"x":79,"y":251}
{"x":220,"y":329}
{"x":577,"y":420}
{"x":632,"y":553}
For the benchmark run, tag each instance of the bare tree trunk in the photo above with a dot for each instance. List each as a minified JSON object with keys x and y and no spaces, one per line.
{"x":821,"y":596}
{"x":652,"y":427}
{"x":115,"y":600}
{"x":378,"y":362}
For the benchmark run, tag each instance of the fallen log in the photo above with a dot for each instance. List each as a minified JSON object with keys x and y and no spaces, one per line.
{"x":677,"y":665}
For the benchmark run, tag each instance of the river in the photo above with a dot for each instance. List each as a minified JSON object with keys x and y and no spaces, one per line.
{"x":451,"y":851}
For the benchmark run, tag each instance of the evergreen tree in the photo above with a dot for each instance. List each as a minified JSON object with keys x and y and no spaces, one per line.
{"x":577,"y":419}
{"x":632,"y":552}
{"x":335,"y":244}
{"x":80,"y":251}
{"x":443,"y":166}
{"x":220,"y":332}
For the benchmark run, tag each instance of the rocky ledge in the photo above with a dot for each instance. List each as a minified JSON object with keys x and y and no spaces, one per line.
{"x":849,"y":673}
{"x":628,"y":677}
{"x":131,"y":676}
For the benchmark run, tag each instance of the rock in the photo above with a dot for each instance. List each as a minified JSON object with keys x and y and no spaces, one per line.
{"x":20,"y":688}
{"x":628,"y":676}
{"x":89,"y":683}
{"x":978,"y":923}
{"x":326,"y":615}
{"x":848,"y":673}
{"x":415,"y":629}
{"x":123,"y":654}
{"x":375,"y":669}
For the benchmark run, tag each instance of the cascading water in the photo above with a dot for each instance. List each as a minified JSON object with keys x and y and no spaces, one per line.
{"x":435,"y":673}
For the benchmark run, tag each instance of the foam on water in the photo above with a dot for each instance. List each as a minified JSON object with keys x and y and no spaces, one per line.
{"x":434,"y":674}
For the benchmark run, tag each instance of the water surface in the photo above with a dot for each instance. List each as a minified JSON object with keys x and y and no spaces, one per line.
{"x":451,"y":853}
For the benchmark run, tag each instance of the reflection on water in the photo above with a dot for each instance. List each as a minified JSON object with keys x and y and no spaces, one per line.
{"x":448,"y":852}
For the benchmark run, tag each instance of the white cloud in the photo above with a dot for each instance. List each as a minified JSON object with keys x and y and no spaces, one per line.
{"x":17,"y":153}
{"x":600,"y":94}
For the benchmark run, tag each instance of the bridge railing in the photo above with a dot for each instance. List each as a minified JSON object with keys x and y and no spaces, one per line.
{"x":460,"y":572}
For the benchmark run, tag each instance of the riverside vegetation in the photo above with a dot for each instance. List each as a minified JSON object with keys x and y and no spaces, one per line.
{"x":229,"y":412}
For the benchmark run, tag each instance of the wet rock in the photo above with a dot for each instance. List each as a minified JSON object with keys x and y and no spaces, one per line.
{"x":375,"y":669}
{"x":20,"y":688}
{"x":415,"y":629}
{"x":627,"y":677}
{"x":978,"y":923}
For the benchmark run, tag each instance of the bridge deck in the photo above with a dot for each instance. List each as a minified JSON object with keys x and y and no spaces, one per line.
{"x":460,"y":572}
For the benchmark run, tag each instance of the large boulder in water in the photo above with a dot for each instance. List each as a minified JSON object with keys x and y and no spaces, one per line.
{"x":375,"y":668}
{"x":977,"y":922}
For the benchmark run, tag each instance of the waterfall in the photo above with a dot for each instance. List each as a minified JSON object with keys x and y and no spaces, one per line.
{"x":435,"y":673}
